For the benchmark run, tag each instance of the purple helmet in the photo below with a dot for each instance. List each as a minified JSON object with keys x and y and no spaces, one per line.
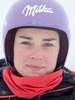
{"x":47,"y":14}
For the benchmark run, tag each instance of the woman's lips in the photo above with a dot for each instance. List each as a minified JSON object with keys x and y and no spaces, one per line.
{"x":35,"y":67}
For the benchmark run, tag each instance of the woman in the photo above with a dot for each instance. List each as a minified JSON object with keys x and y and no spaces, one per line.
{"x":36,"y":42}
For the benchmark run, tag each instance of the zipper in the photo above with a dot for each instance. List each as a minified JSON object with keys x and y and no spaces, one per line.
{"x":9,"y":98}
{"x":37,"y":97}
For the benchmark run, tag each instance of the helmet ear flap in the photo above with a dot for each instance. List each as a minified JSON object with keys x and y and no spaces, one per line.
{"x":9,"y":45}
{"x":64,"y":45}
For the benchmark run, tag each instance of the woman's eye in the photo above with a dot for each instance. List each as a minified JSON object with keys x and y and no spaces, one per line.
{"x":48,"y":45}
{"x":26,"y":43}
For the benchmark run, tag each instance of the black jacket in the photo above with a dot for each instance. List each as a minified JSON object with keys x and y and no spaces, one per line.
{"x":64,"y":91}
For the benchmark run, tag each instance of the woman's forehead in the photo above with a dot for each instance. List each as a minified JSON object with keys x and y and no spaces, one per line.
{"x":35,"y":31}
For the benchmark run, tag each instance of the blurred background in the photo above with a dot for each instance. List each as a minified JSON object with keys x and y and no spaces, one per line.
{"x":69,"y":6}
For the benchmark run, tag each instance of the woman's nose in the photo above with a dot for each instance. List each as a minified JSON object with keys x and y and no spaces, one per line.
{"x":36,"y":55}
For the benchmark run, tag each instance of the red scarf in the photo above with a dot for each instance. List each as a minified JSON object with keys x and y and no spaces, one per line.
{"x":30,"y":87}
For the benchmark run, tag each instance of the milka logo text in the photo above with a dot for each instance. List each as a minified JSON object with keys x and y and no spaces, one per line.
{"x":28,"y":10}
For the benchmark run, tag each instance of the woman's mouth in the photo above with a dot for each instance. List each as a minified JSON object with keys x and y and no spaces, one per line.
{"x":35,"y":67}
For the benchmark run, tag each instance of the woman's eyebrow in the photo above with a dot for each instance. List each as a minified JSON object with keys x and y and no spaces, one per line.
{"x":26,"y":37}
{"x":29,"y":38}
{"x":50,"y":39}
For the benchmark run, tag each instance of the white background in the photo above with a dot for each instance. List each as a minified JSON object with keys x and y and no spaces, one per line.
{"x":69,"y":6}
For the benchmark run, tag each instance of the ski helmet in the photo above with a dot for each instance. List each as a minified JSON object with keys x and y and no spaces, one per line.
{"x":45,"y":14}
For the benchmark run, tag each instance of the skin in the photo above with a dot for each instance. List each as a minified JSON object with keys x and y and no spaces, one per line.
{"x":35,"y":51}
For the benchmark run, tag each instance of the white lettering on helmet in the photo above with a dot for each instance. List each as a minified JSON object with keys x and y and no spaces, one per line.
{"x":36,"y":9}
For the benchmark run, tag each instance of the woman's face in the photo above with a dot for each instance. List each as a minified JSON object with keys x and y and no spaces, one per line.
{"x":35,"y":51}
